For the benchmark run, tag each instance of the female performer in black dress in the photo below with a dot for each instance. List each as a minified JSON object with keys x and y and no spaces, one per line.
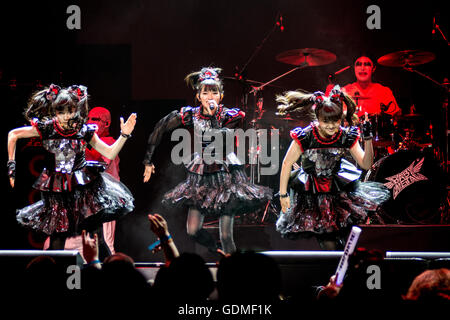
{"x":76,"y":194}
{"x":328,"y":196}
{"x":220,"y":188}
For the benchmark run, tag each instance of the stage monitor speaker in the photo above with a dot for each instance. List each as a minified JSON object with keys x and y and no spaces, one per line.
{"x":20,"y":258}
{"x":13,"y":263}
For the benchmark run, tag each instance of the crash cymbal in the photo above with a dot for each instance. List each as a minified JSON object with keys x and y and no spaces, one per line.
{"x":406,"y":58}
{"x":310,"y":56}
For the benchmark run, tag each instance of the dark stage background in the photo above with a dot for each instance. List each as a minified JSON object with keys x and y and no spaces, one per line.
{"x":133,"y":56}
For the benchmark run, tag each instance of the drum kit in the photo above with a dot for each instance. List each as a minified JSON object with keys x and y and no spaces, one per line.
{"x":391,"y":133}
{"x":399,"y":141}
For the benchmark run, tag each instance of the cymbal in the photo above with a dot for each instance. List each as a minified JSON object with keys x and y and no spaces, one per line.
{"x":311,"y":56}
{"x":406,"y":58}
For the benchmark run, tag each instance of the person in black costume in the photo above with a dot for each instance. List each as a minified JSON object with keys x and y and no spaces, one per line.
{"x":76,"y":194}
{"x":328,"y":196}
{"x":218,"y":188}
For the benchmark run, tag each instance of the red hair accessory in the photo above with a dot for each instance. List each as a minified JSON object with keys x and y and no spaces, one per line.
{"x":79,"y":91}
{"x":317,"y":98}
{"x":52,"y":92}
{"x":336,"y":95}
{"x":207,"y":74}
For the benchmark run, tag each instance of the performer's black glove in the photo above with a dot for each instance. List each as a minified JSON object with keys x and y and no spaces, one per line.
{"x":367,"y":130}
{"x":11,"y":168}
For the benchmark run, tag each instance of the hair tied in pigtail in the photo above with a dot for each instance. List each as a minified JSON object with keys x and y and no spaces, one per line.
{"x":317,"y":98}
{"x":79,"y":91}
{"x":336,"y":94}
{"x":52,"y":92}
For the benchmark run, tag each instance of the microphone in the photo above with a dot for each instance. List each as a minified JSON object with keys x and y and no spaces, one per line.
{"x":211,"y":106}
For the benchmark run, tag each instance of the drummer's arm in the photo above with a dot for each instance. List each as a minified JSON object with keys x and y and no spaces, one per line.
{"x":364,"y":158}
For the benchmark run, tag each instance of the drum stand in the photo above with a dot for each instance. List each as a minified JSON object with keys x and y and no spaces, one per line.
{"x":255,"y":150}
{"x":444,"y":108}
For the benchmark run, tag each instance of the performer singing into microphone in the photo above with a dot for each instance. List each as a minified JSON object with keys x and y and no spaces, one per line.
{"x":219,"y":189}
{"x":328,"y":196}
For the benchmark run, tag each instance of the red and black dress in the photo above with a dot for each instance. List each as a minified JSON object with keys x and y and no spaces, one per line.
{"x":76,"y":194}
{"x":328,"y":195}
{"x":217,"y":188}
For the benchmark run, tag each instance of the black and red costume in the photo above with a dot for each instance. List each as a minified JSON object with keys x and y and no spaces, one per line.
{"x":215,"y":189}
{"x":328,"y":195}
{"x":76,"y":194}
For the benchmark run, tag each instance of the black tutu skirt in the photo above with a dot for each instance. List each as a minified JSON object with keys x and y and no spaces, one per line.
{"x":86,"y":207}
{"x":219,"y":193}
{"x":326,"y":213}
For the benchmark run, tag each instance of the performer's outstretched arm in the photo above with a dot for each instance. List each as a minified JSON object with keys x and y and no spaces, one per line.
{"x":13,"y":136}
{"x":169,"y":122}
{"x":111,"y":151}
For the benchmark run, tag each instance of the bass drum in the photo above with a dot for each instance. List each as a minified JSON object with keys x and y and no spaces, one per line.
{"x":417,"y":186}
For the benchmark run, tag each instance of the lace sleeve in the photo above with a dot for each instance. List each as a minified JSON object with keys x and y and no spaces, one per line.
{"x":168,"y":123}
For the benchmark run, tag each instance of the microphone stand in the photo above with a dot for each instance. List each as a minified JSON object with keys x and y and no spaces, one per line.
{"x":245,"y":95}
{"x":256,"y":89}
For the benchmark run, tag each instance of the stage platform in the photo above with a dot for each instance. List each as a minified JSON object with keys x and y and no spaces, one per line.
{"x":406,"y":250}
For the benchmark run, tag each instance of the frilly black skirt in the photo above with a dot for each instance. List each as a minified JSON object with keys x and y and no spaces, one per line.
{"x":86,"y":207}
{"x":219,"y":193}
{"x":324,"y":213}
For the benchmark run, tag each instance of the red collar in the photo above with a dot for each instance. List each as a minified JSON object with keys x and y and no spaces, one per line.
{"x":322,"y":140}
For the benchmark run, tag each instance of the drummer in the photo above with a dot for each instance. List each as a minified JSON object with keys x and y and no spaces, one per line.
{"x":370,"y":97}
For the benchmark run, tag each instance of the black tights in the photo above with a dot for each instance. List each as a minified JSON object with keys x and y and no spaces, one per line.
{"x":196,"y":232}
{"x":58,"y":241}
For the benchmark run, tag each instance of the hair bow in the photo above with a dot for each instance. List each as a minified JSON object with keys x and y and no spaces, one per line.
{"x":52,"y":92}
{"x":79,"y":91}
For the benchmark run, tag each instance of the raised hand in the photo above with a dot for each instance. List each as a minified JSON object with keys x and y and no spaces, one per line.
{"x":158,"y":225}
{"x":128,"y":126}
{"x":90,"y":247}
